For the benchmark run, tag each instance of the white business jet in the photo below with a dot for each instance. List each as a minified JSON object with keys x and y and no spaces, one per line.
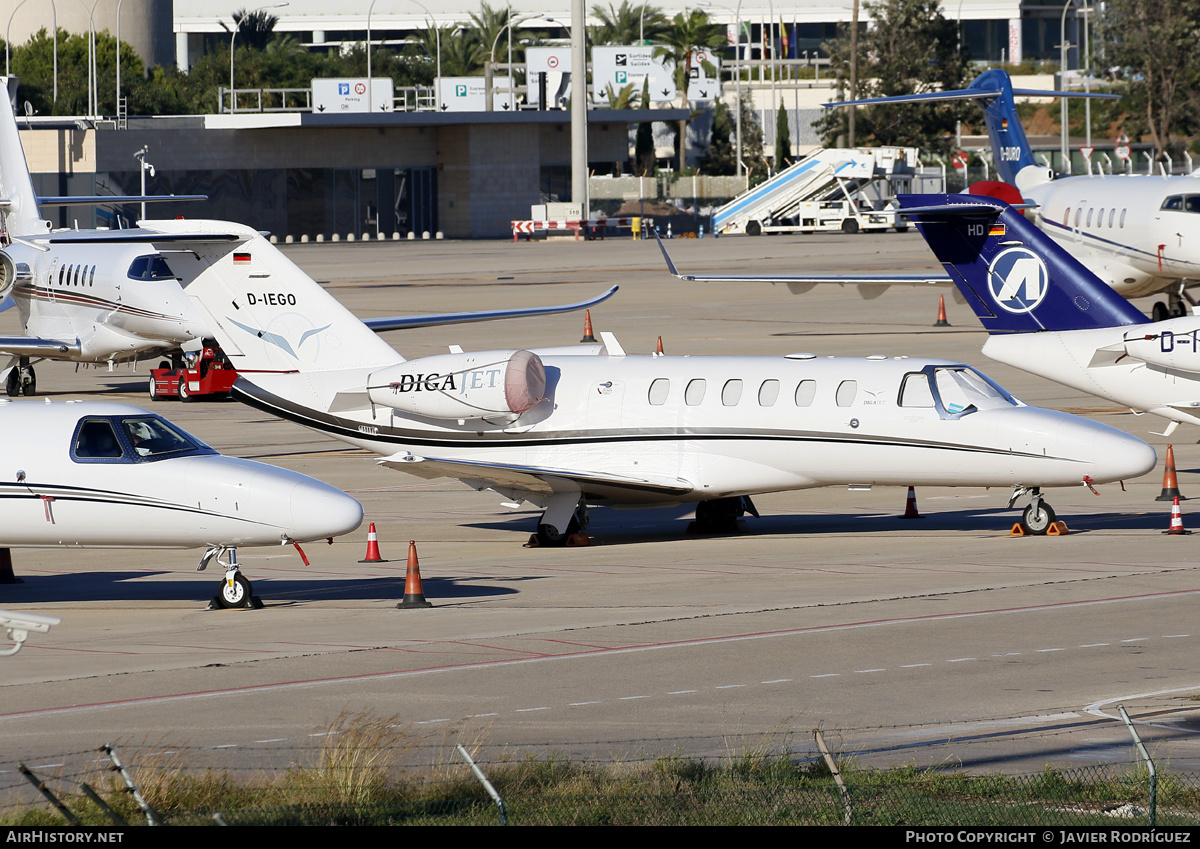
{"x":113,"y":475}
{"x":106,"y":296}
{"x":566,"y":427}
{"x":1049,"y":316}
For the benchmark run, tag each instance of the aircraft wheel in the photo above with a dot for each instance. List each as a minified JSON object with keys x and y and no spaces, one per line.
{"x":1160,"y":312}
{"x":30,"y":385}
{"x":850,"y":226}
{"x":184,"y":394}
{"x":236,"y":595}
{"x":754,"y":229}
{"x":1037,"y":521}
{"x":719,"y":515}
{"x":13,"y":384}
{"x":551,"y":537}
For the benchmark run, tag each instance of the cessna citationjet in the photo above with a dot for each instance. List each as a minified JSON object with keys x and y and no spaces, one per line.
{"x":565,"y":428}
{"x":98,"y":474}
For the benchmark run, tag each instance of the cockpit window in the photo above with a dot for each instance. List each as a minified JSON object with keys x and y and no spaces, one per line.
{"x":132,"y":439}
{"x":152,"y":437}
{"x":962,"y":390}
{"x":1182,"y":203}
{"x":96,"y":440}
{"x":152,"y":267}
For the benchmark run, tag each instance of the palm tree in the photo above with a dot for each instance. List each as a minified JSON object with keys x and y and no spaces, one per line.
{"x":688,"y":33}
{"x":255,"y":29}
{"x":627,"y":24}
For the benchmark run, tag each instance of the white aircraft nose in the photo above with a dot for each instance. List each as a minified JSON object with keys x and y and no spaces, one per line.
{"x":319,"y":511}
{"x":1120,"y":456}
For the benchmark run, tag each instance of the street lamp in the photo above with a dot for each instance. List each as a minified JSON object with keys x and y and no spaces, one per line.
{"x":93,"y":94}
{"x":232,"y":39}
{"x":488,"y":72}
{"x":1062,"y":45}
{"x":8,"y":41}
{"x":140,"y":156}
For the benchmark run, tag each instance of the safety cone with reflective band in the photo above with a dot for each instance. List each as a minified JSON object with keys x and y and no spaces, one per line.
{"x":910,"y":507}
{"x":1170,"y":487}
{"x":587,"y":327}
{"x":372,"y":547}
{"x":659,"y":349}
{"x":1176,"y":528}
{"x":413,"y":596}
{"x":941,"y":319}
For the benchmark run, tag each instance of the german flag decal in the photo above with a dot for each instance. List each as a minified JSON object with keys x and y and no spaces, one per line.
{"x":240,"y":258}
{"x":997,"y":230}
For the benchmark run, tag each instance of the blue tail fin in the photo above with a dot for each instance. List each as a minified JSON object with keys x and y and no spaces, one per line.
{"x":994,"y":92}
{"x":1014,"y":276}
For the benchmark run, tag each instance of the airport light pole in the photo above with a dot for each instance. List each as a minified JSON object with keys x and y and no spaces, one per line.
{"x":233,"y":38}
{"x":1063,"y":118}
{"x":93,"y":94}
{"x":140,"y":156}
{"x":117,"y":105}
{"x":488,"y":72}
{"x":8,"y":41}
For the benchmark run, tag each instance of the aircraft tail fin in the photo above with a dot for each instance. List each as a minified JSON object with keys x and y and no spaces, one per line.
{"x":994,"y":92}
{"x":1014,"y":276}
{"x":18,"y":202}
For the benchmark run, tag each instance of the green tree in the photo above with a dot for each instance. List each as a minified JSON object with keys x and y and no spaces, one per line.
{"x":911,"y":48}
{"x":626,"y":24}
{"x":721,"y":158}
{"x":689,"y":32}
{"x":1154,"y":43}
{"x":783,"y":139}
{"x":254,"y":29}
{"x":643,"y":143}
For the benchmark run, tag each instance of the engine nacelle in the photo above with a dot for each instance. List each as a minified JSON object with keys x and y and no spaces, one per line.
{"x":1178,"y":349}
{"x":474,"y":385}
{"x":10,"y":273}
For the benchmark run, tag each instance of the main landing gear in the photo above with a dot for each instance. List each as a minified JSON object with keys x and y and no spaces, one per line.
{"x":236,"y":589}
{"x":1178,"y":304}
{"x":720,"y":515}
{"x":21,"y":379}
{"x":1038,"y":516}
{"x":565,"y":516}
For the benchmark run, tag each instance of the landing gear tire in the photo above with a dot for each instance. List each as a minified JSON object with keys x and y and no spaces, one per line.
{"x":30,"y":387}
{"x":236,"y":593}
{"x":1160,"y":312}
{"x":184,"y":395}
{"x":720,"y":515}
{"x":754,"y":229}
{"x":850,"y":226}
{"x":13,"y":384}
{"x":1037,"y":519}
{"x":551,"y":537}
{"x":21,"y":381}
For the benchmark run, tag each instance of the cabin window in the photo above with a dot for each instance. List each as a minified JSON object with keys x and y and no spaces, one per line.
{"x":694,"y":393}
{"x":731,"y":392}
{"x":1112,"y":213}
{"x":96,"y":440}
{"x":1100,"y":219}
{"x":62,"y":270}
{"x":768,"y":393}
{"x":915,"y":391}
{"x":1123,"y":219}
{"x":1066,"y":217}
{"x":1078,"y":215}
{"x":846,"y":392}
{"x":658,"y":391}
{"x":805,"y":392}
{"x":1089,"y":218}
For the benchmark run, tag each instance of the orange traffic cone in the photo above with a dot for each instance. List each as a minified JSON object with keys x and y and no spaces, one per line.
{"x":910,"y":508}
{"x":1170,"y":487}
{"x":1176,"y":528}
{"x":413,"y":596}
{"x":941,"y":319}
{"x":659,"y":349}
{"x":587,"y":327}
{"x":7,"y":576}
{"x":372,"y":547}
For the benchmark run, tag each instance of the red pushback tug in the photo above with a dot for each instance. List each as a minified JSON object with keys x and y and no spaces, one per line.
{"x":208,"y":375}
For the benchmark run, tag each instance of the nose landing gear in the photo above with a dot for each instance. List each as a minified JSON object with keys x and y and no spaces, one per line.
{"x":236,"y":589}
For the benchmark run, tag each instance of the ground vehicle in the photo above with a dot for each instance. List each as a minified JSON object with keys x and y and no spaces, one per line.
{"x":207,"y":374}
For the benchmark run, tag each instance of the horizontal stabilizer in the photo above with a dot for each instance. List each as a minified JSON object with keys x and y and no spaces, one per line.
{"x":407,"y":322}
{"x":93,"y":237}
{"x":107,"y":200}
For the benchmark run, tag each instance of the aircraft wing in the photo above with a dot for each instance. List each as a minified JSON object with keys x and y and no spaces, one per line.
{"x":535,"y":479}
{"x":105,"y":200}
{"x":406,"y":322}
{"x":870,"y":285}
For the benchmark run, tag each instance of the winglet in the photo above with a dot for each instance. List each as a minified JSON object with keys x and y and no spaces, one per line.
{"x":671,"y":269}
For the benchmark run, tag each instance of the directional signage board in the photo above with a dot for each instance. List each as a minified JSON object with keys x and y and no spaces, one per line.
{"x":339,"y":96}
{"x":555,"y":63}
{"x":617,"y":67}
{"x":469,"y":94}
{"x":701,"y":84}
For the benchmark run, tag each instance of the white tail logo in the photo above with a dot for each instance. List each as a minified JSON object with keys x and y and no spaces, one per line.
{"x":1018,"y":280}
